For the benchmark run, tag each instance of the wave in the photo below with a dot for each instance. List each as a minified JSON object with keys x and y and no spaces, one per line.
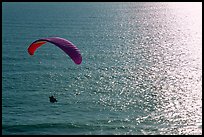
{"x":49,"y":128}
{"x":64,"y":128}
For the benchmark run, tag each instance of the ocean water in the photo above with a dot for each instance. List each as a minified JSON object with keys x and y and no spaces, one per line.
{"x":141,"y":71}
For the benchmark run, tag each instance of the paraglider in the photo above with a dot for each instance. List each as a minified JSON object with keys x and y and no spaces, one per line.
{"x":69,"y":48}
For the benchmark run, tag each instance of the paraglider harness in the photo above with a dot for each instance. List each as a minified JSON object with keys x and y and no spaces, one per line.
{"x":52,"y":99}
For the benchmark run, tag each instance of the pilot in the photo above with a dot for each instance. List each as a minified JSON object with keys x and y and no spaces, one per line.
{"x":53,"y":99}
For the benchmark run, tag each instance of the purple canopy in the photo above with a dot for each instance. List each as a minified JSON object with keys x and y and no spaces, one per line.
{"x":69,"y":48}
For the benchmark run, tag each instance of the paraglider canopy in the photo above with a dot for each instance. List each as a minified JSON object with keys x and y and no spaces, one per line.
{"x":69,"y":48}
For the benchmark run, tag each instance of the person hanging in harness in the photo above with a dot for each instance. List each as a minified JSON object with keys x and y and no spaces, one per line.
{"x":53,"y":99}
